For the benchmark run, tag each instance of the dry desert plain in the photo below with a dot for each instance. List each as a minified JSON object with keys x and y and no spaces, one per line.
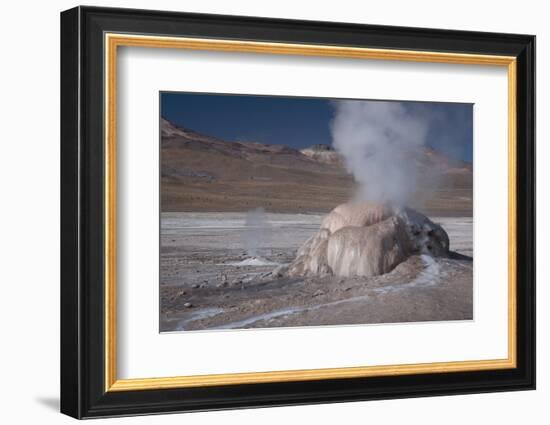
{"x":210,"y":281}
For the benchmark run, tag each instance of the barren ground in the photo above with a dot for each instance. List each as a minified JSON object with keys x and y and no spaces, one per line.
{"x":210,"y":281}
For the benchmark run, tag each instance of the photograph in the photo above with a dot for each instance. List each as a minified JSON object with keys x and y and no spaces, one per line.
{"x":296,"y":211}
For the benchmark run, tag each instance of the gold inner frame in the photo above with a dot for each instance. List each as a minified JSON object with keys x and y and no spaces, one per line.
{"x":113,"y":41}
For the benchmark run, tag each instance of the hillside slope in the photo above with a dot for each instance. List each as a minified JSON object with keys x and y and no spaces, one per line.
{"x":203,"y":173}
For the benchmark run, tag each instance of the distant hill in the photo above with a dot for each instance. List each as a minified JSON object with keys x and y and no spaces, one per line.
{"x":323,"y":153}
{"x":204,"y":173}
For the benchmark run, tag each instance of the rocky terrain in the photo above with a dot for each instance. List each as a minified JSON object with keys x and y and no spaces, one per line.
{"x":209,"y":279}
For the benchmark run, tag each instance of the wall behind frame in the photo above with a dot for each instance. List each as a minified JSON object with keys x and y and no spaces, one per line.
{"x":29,"y":216}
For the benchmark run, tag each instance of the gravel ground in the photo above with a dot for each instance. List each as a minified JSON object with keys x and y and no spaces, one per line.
{"x":215,"y":274}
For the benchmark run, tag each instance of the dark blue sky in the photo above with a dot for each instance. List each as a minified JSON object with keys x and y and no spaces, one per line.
{"x":300,"y":122}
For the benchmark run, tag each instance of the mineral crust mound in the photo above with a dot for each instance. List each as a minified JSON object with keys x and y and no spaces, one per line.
{"x":364,"y":239}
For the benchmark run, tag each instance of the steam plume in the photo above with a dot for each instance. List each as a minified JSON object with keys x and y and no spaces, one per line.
{"x":378,"y":141}
{"x":256,"y":231}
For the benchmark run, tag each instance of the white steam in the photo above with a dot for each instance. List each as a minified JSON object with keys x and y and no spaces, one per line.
{"x":379,"y":141}
{"x":256,"y":232}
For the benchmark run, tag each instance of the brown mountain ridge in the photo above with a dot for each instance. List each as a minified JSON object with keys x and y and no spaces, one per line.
{"x":205,"y":173}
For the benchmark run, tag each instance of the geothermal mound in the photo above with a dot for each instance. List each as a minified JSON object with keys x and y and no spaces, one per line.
{"x":359,"y":239}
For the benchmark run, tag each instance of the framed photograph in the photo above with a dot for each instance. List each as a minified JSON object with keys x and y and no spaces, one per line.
{"x":261,"y":212}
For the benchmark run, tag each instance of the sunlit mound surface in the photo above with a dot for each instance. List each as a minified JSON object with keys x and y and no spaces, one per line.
{"x":362,"y":239}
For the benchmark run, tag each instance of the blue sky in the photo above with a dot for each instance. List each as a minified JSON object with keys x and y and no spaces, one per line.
{"x":300,"y":122}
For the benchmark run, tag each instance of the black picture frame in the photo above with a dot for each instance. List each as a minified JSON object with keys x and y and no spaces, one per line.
{"x":83,"y":392}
